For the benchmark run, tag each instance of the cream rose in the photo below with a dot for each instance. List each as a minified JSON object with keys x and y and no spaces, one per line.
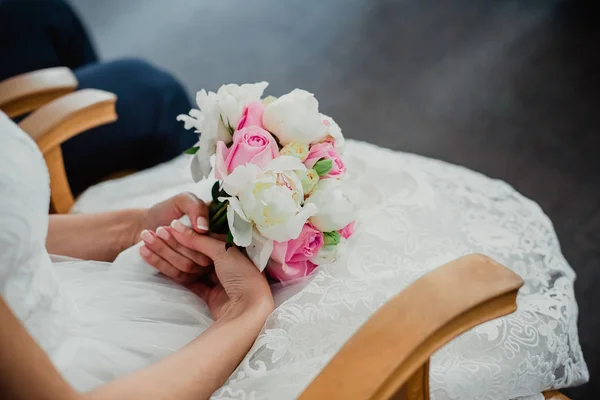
{"x":270,"y":200}
{"x":336,"y":206}
{"x":294,"y":117}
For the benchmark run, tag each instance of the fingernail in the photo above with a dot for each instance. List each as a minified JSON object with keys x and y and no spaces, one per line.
{"x":202,"y":223}
{"x":162,"y":233}
{"x":147,"y":237}
{"x":178,"y":226}
{"x":144,"y":251}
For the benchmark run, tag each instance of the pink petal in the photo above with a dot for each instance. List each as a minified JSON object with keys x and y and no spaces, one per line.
{"x":220,"y":156}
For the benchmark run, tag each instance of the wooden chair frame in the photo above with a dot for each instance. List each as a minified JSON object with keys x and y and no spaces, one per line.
{"x":27,"y":92}
{"x":60,"y":113}
{"x":388,"y":357}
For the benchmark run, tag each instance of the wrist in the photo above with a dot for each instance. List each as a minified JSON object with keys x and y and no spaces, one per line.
{"x":255,"y":309}
{"x":135,"y":222}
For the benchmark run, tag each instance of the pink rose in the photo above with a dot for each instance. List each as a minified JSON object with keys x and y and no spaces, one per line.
{"x":288,"y":272}
{"x":291,"y":260}
{"x":328,"y":152}
{"x":251,"y":145}
{"x":347,"y":231}
{"x":303,"y":248}
{"x":252,"y":115}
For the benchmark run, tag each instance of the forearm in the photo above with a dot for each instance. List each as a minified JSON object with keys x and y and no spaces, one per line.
{"x":25,"y":370}
{"x":93,"y":236}
{"x":196,"y":371}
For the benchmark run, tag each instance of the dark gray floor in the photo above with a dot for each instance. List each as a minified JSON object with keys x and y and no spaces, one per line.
{"x":509,"y":88}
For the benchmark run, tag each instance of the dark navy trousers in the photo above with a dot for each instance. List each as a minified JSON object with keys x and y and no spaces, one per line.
{"x":37,"y":34}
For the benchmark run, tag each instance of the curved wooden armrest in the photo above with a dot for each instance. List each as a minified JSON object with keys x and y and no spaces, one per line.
{"x":27,"y":92}
{"x":388,"y":357}
{"x":554,"y":395}
{"x":60,"y":120}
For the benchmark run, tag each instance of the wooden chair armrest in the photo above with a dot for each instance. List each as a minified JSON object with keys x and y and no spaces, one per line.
{"x":56,"y":122}
{"x":554,"y":395}
{"x":27,"y":92}
{"x":389,"y":355}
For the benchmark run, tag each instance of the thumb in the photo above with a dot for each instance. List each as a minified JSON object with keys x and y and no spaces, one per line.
{"x":228,"y":262}
{"x":213,"y":248}
{"x":195,"y":209}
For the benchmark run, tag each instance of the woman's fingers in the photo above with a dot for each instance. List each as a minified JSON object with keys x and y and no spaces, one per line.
{"x":165,"y":267}
{"x":234,"y":272}
{"x":228,"y":260}
{"x":194,"y":208}
{"x":163,"y":250}
{"x":213,"y":248}
{"x":199,"y":259}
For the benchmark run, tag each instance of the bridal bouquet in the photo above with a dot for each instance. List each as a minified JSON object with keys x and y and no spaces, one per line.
{"x":279,"y":193}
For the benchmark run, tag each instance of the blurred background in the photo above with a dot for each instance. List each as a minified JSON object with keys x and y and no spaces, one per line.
{"x":509,"y":88}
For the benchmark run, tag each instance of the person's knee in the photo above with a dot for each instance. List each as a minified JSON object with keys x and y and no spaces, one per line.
{"x":141,"y":72}
{"x":160,"y":89}
{"x":148,"y":102}
{"x":132,"y":78}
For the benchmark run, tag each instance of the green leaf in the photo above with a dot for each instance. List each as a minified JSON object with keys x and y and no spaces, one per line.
{"x":323,"y":166}
{"x":229,"y":237}
{"x":331,"y":238}
{"x":192,"y":150}
{"x":230,"y":128}
{"x":215,"y":191}
{"x":217,"y":214}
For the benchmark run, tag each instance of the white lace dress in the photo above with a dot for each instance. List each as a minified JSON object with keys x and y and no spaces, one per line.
{"x":98,"y":322}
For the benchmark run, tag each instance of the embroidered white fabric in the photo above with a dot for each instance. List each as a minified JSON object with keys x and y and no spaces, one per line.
{"x":98,"y":322}
{"x":418,"y":214}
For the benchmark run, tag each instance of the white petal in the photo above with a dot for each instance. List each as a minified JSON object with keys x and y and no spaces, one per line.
{"x":285,"y":163}
{"x":196,"y":169}
{"x":223,"y":132}
{"x":231,"y":110}
{"x":331,"y":253}
{"x":254,"y":90}
{"x":294,"y":117}
{"x":236,"y":205}
{"x":334,"y":130}
{"x":190,"y":122}
{"x":259,"y":250}
{"x":200,"y":166}
{"x":203,"y":99}
{"x":196,"y":114}
{"x":240,"y":228}
{"x":291,"y":228}
{"x":241,"y":178}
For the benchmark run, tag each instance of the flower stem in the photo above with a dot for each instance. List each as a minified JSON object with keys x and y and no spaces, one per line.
{"x":218,"y":217}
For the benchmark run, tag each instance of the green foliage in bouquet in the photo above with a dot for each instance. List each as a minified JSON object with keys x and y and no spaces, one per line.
{"x":217,"y":211}
{"x":192,"y":150}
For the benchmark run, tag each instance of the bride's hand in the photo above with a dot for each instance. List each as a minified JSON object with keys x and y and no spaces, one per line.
{"x":182,"y":264}
{"x":237,"y":285}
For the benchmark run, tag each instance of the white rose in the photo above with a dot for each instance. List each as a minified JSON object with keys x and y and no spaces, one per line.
{"x":333,"y":129}
{"x":270,"y":200}
{"x":216,"y":116}
{"x":330,"y":253}
{"x":336,"y":205}
{"x":294,"y":117}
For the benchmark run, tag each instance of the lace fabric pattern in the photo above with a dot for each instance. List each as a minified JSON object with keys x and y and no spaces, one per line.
{"x":417,"y":214}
